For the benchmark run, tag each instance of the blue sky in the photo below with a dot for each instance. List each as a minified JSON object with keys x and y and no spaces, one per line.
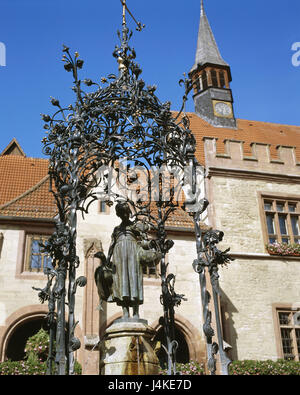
{"x":255,"y":37}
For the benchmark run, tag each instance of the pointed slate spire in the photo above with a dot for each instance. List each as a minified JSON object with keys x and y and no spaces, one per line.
{"x":207,"y":49}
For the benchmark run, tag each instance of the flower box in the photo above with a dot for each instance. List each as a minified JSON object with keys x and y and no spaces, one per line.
{"x":283,"y":249}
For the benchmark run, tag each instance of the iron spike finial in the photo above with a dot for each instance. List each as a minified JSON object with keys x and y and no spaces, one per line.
{"x":140,"y":26}
{"x":124,"y":12}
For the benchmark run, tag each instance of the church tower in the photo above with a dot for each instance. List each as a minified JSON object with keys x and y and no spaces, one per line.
{"x":211,"y":78}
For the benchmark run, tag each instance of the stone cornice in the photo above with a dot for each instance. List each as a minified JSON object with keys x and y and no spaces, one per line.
{"x":262,"y":256}
{"x":252,"y":175}
{"x":10,"y":220}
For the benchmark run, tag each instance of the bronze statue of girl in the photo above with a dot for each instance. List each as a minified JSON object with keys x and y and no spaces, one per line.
{"x":120,"y":277}
{"x":127,"y":287}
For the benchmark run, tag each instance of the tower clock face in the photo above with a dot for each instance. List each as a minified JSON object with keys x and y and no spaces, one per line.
{"x":223,"y":109}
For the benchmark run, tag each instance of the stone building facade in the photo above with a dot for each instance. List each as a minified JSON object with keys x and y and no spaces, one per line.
{"x":260,"y":291}
{"x":252,"y":174}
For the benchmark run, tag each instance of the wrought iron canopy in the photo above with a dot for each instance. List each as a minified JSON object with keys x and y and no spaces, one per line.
{"x":118,"y":117}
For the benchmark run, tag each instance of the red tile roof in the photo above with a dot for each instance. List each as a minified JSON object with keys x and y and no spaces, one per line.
{"x":247,"y":131}
{"x":37,"y":202}
{"x":24,"y":187}
{"x":18,"y":174}
{"x":24,"y":181}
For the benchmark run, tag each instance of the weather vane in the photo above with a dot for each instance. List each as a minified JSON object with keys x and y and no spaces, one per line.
{"x":140,"y":26}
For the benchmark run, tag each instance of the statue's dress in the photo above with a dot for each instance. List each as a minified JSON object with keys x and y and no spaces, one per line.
{"x":127,"y":288}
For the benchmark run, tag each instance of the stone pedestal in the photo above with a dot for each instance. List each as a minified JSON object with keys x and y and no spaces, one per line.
{"x":90,"y":366}
{"x":126,"y":350}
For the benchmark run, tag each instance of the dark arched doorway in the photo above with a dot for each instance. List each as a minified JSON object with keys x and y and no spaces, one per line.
{"x":16,"y":343}
{"x":182,"y":354}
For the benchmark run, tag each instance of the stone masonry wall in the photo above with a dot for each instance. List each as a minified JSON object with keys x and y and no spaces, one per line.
{"x":255,"y":282}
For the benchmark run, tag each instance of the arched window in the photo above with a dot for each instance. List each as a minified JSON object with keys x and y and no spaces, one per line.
{"x":214,"y":78}
{"x":222,"y":79}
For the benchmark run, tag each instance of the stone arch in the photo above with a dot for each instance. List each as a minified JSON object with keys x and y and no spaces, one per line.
{"x":195,"y":343}
{"x":182,"y":352}
{"x":16,"y":320}
{"x":21,"y":317}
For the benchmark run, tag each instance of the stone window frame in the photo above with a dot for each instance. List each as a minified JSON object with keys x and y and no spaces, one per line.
{"x":275,"y":198}
{"x":151,"y":272}
{"x":30,"y":238}
{"x":293,"y":311}
{"x":22,"y":255}
{"x":154,"y":275}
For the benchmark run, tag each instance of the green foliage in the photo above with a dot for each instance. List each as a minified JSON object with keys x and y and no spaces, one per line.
{"x":243,"y":368}
{"x":77,"y":368}
{"x":190,"y":368}
{"x":265,"y":368}
{"x":36,"y":353}
{"x":21,"y":368}
{"x":37,"y":347}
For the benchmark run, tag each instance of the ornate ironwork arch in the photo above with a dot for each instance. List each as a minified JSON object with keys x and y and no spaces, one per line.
{"x":120,"y":117}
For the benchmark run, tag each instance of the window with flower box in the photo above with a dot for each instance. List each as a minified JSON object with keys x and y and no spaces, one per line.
{"x":288,"y":326}
{"x":281,"y":221}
